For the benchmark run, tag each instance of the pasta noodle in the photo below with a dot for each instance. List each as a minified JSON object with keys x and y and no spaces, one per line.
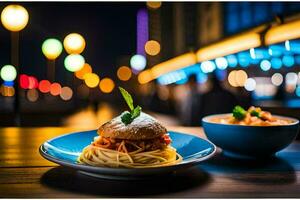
{"x":99,"y":156}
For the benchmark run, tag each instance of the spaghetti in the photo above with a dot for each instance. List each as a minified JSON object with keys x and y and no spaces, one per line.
{"x":139,"y":158}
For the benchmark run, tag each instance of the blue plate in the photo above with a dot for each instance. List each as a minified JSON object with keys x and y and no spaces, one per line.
{"x":65,"y":149}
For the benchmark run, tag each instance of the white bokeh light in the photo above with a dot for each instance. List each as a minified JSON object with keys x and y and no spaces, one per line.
{"x":250,"y":84}
{"x":138,"y":62}
{"x":277,"y":79}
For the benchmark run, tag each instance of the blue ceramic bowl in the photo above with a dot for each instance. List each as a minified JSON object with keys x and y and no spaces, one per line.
{"x":242,"y":141}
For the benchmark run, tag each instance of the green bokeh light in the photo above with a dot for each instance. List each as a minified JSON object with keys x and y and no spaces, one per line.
{"x":74,"y":62}
{"x":8,"y":73}
{"x":52,"y":48}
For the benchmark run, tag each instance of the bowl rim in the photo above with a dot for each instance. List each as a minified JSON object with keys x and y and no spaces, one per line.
{"x":207,"y":118}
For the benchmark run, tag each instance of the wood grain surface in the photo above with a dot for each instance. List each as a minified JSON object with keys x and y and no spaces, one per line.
{"x":24,"y":173}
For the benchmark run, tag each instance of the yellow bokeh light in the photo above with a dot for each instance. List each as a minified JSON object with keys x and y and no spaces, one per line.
{"x":14,"y":17}
{"x":145,"y":76}
{"x":154,"y":4}
{"x":152,"y":47}
{"x":74,"y":43}
{"x":231,"y":78}
{"x":85,"y":70}
{"x":237,"y":78}
{"x":124,"y":73}
{"x":107,"y":85}
{"x":91,"y":80}
{"x":241,"y":78}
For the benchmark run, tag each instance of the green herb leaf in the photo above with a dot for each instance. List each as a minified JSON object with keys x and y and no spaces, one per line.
{"x":126,"y":118}
{"x":127,"y":98}
{"x":239,"y":113}
{"x":255,"y":113}
{"x":136,"y":112}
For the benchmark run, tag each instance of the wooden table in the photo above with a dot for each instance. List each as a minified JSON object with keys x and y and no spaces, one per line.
{"x":24,"y":173}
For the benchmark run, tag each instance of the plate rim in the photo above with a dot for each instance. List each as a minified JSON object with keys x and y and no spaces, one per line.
{"x":96,"y":169}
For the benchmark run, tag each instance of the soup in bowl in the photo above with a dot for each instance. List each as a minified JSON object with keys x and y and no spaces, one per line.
{"x":251,"y":133}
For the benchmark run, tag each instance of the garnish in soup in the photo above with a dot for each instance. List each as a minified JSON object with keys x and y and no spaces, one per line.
{"x":254,"y":116}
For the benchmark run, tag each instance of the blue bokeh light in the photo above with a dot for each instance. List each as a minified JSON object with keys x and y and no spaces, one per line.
{"x":232,"y":61}
{"x":276,"y":63}
{"x":201,"y":77}
{"x":8,"y":83}
{"x":297,"y":91}
{"x":288,"y":60}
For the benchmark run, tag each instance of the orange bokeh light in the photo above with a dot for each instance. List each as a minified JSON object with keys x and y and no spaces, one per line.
{"x":124,"y":73}
{"x":44,"y":86}
{"x":86,"y":69}
{"x":152,"y":47}
{"x":55,"y":89}
{"x":107,"y":85}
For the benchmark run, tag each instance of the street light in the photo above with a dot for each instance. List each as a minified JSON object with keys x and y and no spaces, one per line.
{"x":51,"y":48}
{"x":74,"y":43}
{"x":14,"y":18}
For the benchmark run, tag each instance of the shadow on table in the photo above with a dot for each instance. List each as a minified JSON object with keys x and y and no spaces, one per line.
{"x":275,"y":170}
{"x":70,"y":180}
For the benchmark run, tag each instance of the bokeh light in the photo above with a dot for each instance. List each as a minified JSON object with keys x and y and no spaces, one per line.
{"x":74,"y":62}
{"x":66,"y":93}
{"x":8,"y":73}
{"x":55,"y":89}
{"x":207,"y":66}
{"x":84,"y":70}
{"x":237,"y":78}
{"x":265,"y":65}
{"x":241,"y":77}
{"x":276,"y":63}
{"x":7,"y":91}
{"x":106,"y":85}
{"x":154,"y":4}
{"x":52,"y":48}
{"x":44,"y":86}
{"x":14,"y":17}
{"x":91,"y":80}
{"x":250,"y":84}
{"x":138,"y":62}
{"x":277,"y":79}
{"x":33,"y":82}
{"x":8,"y":83}
{"x":24,"y":81}
{"x":231,"y":78}
{"x":297,"y":91}
{"x":124,"y":73}
{"x":32,"y":95}
{"x":288,"y":60}
{"x":221,"y":63}
{"x":291,"y":78}
{"x":152,"y":47}
{"x":232,"y":60}
{"x":74,"y":43}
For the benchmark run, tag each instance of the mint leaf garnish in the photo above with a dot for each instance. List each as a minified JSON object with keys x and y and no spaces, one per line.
{"x":136,"y":112}
{"x":128,"y":117}
{"x":127,"y":98}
